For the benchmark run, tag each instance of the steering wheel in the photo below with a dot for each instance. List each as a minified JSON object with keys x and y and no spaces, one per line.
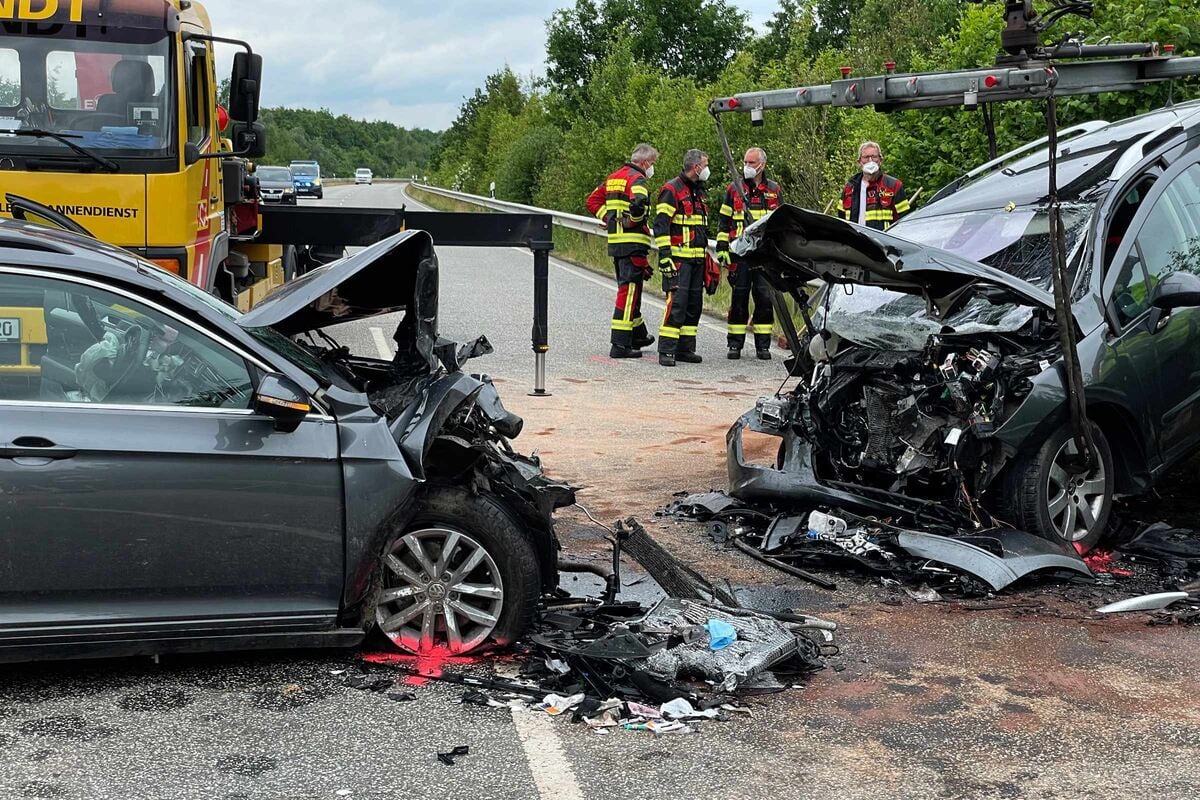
{"x":135,"y":342}
{"x":87,"y":315}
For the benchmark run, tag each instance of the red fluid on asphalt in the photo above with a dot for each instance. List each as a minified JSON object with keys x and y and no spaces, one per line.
{"x":1104,"y":561}
{"x":422,"y":666}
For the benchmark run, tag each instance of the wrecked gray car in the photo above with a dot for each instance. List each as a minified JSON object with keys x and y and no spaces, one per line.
{"x":931,"y":386}
{"x":178,"y":476}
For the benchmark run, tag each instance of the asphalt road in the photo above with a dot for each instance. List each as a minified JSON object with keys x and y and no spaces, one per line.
{"x":925,"y":702}
{"x":490,"y":291}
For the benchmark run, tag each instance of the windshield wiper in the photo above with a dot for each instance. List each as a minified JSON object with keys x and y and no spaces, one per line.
{"x":65,"y":138}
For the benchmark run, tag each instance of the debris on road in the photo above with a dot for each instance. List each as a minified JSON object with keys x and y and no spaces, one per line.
{"x":927,"y":564}
{"x":448,"y":758}
{"x":1147,"y":602}
{"x":1156,"y":563}
{"x":621,"y":665}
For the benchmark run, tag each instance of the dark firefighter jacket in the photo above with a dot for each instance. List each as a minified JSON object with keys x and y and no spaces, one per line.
{"x":627,"y":200}
{"x":681,"y":220}
{"x":887,"y":201}
{"x":763,"y":196}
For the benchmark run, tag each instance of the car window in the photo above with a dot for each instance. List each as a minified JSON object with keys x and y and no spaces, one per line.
{"x":10,"y":81}
{"x":101,"y":347}
{"x":196,"y":77}
{"x":1122,"y":216}
{"x":1168,"y":241}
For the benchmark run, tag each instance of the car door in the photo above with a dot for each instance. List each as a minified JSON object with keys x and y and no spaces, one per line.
{"x":138,"y":485}
{"x":1164,"y":237}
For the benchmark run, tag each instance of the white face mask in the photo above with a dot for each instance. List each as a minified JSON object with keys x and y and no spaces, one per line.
{"x":750,"y":172}
{"x":704,"y":174}
{"x":870,"y":168}
{"x":650,"y":171}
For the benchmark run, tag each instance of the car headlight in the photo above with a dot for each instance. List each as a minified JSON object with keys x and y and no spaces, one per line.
{"x":291,"y":190}
{"x":317,"y":182}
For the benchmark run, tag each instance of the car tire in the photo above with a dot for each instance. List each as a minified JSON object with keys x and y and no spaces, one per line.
{"x":320,"y":195}
{"x":1044,"y":499}
{"x":422,"y":611}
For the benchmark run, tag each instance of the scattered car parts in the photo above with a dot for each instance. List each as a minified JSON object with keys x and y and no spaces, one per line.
{"x":1147,"y":602}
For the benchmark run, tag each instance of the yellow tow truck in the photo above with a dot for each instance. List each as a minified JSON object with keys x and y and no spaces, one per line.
{"x":109,"y":123}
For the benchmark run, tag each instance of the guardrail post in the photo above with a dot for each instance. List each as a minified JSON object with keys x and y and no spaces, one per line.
{"x":541,"y":303}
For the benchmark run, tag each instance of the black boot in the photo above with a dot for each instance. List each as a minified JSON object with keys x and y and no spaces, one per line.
{"x":734,"y":353}
{"x":666,"y":359}
{"x":617,"y":351}
{"x":640,"y":343}
{"x":764,"y":355}
{"x":688,"y":358}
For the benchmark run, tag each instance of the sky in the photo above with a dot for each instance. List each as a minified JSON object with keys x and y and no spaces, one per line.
{"x":404,"y":61}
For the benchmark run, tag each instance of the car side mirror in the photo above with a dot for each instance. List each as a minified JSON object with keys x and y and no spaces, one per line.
{"x":1177,"y":290}
{"x":279,"y":398}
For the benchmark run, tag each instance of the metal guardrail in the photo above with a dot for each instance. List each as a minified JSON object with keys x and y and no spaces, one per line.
{"x":575,"y":222}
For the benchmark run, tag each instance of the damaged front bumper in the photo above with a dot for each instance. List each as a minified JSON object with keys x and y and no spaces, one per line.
{"x":792,"y":480}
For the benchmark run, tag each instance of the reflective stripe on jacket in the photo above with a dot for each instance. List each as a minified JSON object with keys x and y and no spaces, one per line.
{"x":624,"y":212}
{"x":887,"y":201}
{"x":763,"y":196}
{"x":681,"y":220}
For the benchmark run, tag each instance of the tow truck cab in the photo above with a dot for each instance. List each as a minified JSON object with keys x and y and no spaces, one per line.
{"x":112,"y":120}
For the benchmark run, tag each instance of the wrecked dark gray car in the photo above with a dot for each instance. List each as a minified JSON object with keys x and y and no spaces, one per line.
{"x":179,"y":476}
{"x":931,"y":387}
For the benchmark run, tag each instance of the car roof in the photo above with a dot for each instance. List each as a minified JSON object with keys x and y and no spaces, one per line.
{"x":25,"y":244}
{"x":1087,"y":161}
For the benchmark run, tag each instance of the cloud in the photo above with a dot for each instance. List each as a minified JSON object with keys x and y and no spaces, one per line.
{"x":407,"y":62}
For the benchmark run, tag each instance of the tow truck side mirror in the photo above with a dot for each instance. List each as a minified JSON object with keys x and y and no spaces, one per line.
{"x":249,"y":139}
{"x":279,"y":398}
{"x":244,"y":86}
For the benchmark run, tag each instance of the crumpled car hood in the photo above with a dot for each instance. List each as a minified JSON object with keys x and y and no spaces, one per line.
{"x":386,"y":277}
{"x":794,"y":246}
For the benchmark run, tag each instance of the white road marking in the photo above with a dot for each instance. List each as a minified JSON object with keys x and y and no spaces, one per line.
{"x":381,"y":344}
{"x":552,"y":772}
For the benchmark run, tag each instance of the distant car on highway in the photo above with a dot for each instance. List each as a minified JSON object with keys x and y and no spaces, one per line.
{"x":276,"y":185}
{"x":363,"y":175}
{"x":182,"y":477}
{"x":307,"y":176}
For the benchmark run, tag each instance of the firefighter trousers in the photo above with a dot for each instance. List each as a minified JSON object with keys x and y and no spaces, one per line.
{"x":684,"y":304}
{"x":749,"y":283}
{"x":628,"y":327}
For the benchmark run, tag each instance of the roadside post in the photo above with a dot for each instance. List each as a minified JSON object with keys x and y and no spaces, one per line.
{"x":359,"y":227}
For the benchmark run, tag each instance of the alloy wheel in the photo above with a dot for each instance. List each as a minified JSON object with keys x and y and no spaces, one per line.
{"x":442,"y":590}
{"x":1076,"y":501}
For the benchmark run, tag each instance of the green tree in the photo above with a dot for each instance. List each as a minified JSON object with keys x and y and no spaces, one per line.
{"x":684,"y":39}
{"x":342,"y":144}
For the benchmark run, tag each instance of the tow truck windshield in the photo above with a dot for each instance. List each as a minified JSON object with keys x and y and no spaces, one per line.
{"x":105,"y":88}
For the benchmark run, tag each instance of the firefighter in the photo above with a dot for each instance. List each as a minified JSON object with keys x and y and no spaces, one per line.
{"x":625,"y":212}
{"x":763,"y":195}
{"x":872,"y":197}
{"x":681,"y":236}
